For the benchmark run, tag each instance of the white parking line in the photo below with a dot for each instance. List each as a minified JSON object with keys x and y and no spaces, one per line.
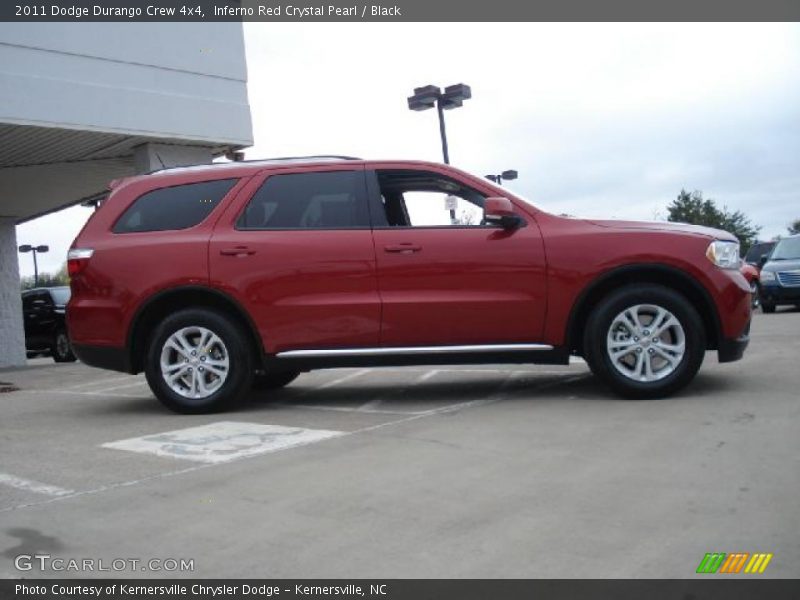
{"x":372,"y":405}
{"x":342,"y":379}
{"x":74,"y":393}
{"x":350,"y":409}
{"x":100,"y":382}
{"x":117,"y":387}
{"x":33,"y":486}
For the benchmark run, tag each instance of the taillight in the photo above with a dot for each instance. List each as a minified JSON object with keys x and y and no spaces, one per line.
{"x":77,"y":259}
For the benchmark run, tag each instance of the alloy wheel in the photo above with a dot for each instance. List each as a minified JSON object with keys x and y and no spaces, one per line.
{"x":194,"y":362}
{"x":646,"y":342}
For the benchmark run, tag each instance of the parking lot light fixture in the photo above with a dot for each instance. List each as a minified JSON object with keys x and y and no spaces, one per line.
{"x":508,"y":175}
{"x":431,"y":96}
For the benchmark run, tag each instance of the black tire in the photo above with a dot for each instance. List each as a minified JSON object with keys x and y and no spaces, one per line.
{"x":755,"y":290}
{"x":600,"y":322}
{"x":274,"y":380}
{"x":61,"y":348}
{"x":767,"y":307}
{"x":239,"y":354}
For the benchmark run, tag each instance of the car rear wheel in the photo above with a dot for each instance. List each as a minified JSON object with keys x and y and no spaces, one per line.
{"x":61,"y":349}
{"x":767,"y":307}
{"x":198,"y":361}
{"x":273,"y":380}
{"x":644,"y":341}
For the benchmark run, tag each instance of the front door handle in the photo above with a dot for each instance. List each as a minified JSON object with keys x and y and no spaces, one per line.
{"x":237,"y":251}
{"x":405,"y":248}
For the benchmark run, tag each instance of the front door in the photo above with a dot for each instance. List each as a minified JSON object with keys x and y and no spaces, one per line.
{"x":445,"y":277}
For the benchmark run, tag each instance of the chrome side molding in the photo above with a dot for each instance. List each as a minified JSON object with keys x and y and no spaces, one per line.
{"x":401,"y":350}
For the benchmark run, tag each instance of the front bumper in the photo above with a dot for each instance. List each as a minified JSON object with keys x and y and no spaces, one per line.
{"x":732,"y":349}
{"x":778,"y":294}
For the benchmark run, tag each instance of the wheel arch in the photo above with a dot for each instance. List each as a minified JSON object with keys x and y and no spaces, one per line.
{"x":655,"y":273}
{"x":164,"y":302}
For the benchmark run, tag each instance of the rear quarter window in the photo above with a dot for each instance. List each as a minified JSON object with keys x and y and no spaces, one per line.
{"x":175,"y":207}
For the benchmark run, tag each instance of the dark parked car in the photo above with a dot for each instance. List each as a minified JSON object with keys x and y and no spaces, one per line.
{"x":780,"y":275}
{"x":45,"y":329}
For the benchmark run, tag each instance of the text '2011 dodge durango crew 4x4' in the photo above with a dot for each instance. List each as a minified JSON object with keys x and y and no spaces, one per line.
{"x":214,"y":278}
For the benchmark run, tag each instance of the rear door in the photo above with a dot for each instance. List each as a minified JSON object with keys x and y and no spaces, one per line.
{"x":296,"y":250}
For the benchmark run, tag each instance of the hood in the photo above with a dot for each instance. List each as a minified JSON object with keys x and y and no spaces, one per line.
{"x":709,"y":232}
{"x":789,"y":264}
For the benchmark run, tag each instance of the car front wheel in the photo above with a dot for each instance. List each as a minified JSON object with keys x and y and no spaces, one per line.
{"x":198,"y":361}
{"x":644,"y":341}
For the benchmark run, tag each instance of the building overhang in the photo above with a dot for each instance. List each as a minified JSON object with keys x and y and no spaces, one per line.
{"x":44,"y":169}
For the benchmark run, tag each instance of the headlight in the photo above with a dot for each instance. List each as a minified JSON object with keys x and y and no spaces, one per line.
{"x":766,"y":276}
{"x":724,"y":254}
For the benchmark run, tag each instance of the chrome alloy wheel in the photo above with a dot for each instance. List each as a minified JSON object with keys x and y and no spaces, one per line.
{"x":646,"y":342}
{"x":194,"y":362}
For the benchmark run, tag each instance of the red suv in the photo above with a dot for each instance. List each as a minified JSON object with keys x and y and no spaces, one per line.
{"x":214,"y":278}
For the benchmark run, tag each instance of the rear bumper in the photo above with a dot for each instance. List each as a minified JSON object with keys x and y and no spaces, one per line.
{"x":103,"y":357}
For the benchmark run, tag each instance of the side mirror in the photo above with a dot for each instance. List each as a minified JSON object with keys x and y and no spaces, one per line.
{"x":500,"y":211}
{"x":763,"y":260}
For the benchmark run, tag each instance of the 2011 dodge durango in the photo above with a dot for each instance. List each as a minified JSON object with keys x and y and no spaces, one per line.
{"x":214,"y":278}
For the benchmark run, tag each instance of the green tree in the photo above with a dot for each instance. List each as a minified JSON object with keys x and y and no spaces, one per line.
{"x":57,"y":279}
{"x":693,"y":208}
{"x":794,"y":228}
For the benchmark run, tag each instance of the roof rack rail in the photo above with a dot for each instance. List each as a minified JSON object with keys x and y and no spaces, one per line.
{"x":262,"y":160}
{"x":336,"y":156}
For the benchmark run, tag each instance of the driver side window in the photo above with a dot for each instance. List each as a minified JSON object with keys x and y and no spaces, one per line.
{"x":425,"y":199}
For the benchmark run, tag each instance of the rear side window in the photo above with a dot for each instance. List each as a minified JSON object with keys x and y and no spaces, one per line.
{"x":329,"y":200}
{"x":176,"y":207}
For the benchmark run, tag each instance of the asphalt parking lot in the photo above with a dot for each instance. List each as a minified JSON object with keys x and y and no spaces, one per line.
{"x":490,"y":471}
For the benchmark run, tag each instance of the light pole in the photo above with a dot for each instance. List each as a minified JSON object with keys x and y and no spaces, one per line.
{"x":35,"y":250}
{"x":430,"y":95}
{"x":507,"y":175}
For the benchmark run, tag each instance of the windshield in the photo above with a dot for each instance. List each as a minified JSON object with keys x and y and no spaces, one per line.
{"x":786,"y":249}
{"x":60,"y":295}
{"x":757,"y":251}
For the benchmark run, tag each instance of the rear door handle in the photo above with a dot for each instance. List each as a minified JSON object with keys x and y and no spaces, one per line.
{"x":237,"y":251}
{"x":406,"y":248}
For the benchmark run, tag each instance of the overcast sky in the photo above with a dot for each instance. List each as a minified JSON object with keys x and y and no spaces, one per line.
{"x":599,"y":119}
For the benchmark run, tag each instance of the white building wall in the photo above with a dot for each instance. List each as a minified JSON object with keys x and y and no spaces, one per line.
{"x":12,"y":335}
{"x":184,"y":81}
